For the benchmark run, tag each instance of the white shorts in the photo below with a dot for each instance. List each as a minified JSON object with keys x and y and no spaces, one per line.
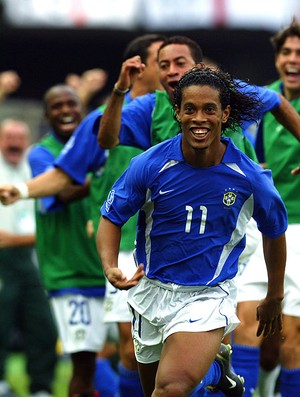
{"x":253,"y":237}
{"x":80,"y":322}
{"x":160,"y":310}
{"x":252,"y":283}
{"x":115,"y":302}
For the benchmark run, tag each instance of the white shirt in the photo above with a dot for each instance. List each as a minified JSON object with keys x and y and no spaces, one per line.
{"x":19,"y":217}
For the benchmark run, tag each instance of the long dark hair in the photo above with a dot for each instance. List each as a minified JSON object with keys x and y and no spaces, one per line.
{"x":244,"y":106}
{"x":278,"y":40}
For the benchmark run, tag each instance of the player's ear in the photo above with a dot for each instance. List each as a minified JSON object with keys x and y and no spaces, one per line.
{"x":226,"y":114}
{"x":177,"y":114}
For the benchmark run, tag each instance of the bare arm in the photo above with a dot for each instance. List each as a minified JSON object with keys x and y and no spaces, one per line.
{"x":269,"y":309}
{"x":110,"y":125}
{"x":47,"y":184}
{"x":287,"y":115}
{"x":10,"y":240}
{"x":108,"y":243}
{"x":74,"y":192}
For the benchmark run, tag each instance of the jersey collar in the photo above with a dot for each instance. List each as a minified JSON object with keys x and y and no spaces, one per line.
{"x":231,"y":155}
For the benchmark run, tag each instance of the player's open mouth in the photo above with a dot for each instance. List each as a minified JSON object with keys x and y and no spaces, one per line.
{"x":173,"y":84}
{"x":199,"y":132}
{"x":292,"y":72}
{"x":68,"y":120}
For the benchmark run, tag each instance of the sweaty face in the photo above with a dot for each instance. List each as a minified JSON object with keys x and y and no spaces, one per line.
{"x":14,"y":140}
{"x":63,"y":112}
{"x":288,"y":66}
{"x":201,"y":118}
{"x":173,"y":61}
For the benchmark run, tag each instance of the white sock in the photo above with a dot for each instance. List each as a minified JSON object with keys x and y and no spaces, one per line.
{"x":267,"y":381}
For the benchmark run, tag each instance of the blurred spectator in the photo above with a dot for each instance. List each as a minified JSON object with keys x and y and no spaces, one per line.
{"x":69,"y":263}
{"x":88,"y":84}
{"x":22,"y":298}
{"x":279,"y":151}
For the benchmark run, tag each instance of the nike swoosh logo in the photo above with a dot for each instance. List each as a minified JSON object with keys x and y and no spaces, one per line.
{"x":166,"y":191}
{"x":232,"y":382}
{"x":193,"y":321}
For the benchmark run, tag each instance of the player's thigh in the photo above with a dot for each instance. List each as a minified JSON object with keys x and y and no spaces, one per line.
{"x":196,"y":350}
{"x":290,"y":347}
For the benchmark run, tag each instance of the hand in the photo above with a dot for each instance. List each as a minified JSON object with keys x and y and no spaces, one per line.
{"x":93,"y":80}
{"x":9,"y":194}
{"x":118,"y":279}
{"x":131,"y":68}
{"x":269,"y":315}
{"x":296,"y":170}
{"x":88,"y":84}
{"x":89,"y":227}
{"x":9,"y":82}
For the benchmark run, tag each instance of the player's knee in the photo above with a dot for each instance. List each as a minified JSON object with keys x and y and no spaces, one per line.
{"x":176,"y":386}
{"x":172,"y":389}
{"x":290,"y":353}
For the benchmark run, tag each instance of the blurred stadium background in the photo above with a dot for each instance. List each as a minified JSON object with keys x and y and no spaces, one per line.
{"x":45,"y":40}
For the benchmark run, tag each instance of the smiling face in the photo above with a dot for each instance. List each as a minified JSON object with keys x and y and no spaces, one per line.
{"x":201,"y":117}
{"x":173,"y":61}
{"x":288,"y":66}
{"x":63,"y":111}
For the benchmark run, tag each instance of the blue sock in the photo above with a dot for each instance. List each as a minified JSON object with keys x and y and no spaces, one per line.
{"x":130,"y":384}
{"x":212,"y":377}
{"x":198,"y":393}
{"x":290,"y":382}
{"x":245,"y":361}
{"x":106,"y":380}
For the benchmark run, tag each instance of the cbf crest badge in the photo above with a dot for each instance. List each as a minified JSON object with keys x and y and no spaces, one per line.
{"x":230,"y":197}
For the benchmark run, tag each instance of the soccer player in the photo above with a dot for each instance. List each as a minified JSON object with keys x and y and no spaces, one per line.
{"x":69,"y":263}
{"x":149,"y":120}
{"x":280,"y":152}
{"x":195,"y":194}
{"x":73,"y":164}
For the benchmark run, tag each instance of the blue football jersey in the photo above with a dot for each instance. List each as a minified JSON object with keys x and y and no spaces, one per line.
{"x":192,"y":221}
{"x":82,"y":154}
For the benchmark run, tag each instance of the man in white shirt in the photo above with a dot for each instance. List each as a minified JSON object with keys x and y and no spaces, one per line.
{"x":22,"y":297}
